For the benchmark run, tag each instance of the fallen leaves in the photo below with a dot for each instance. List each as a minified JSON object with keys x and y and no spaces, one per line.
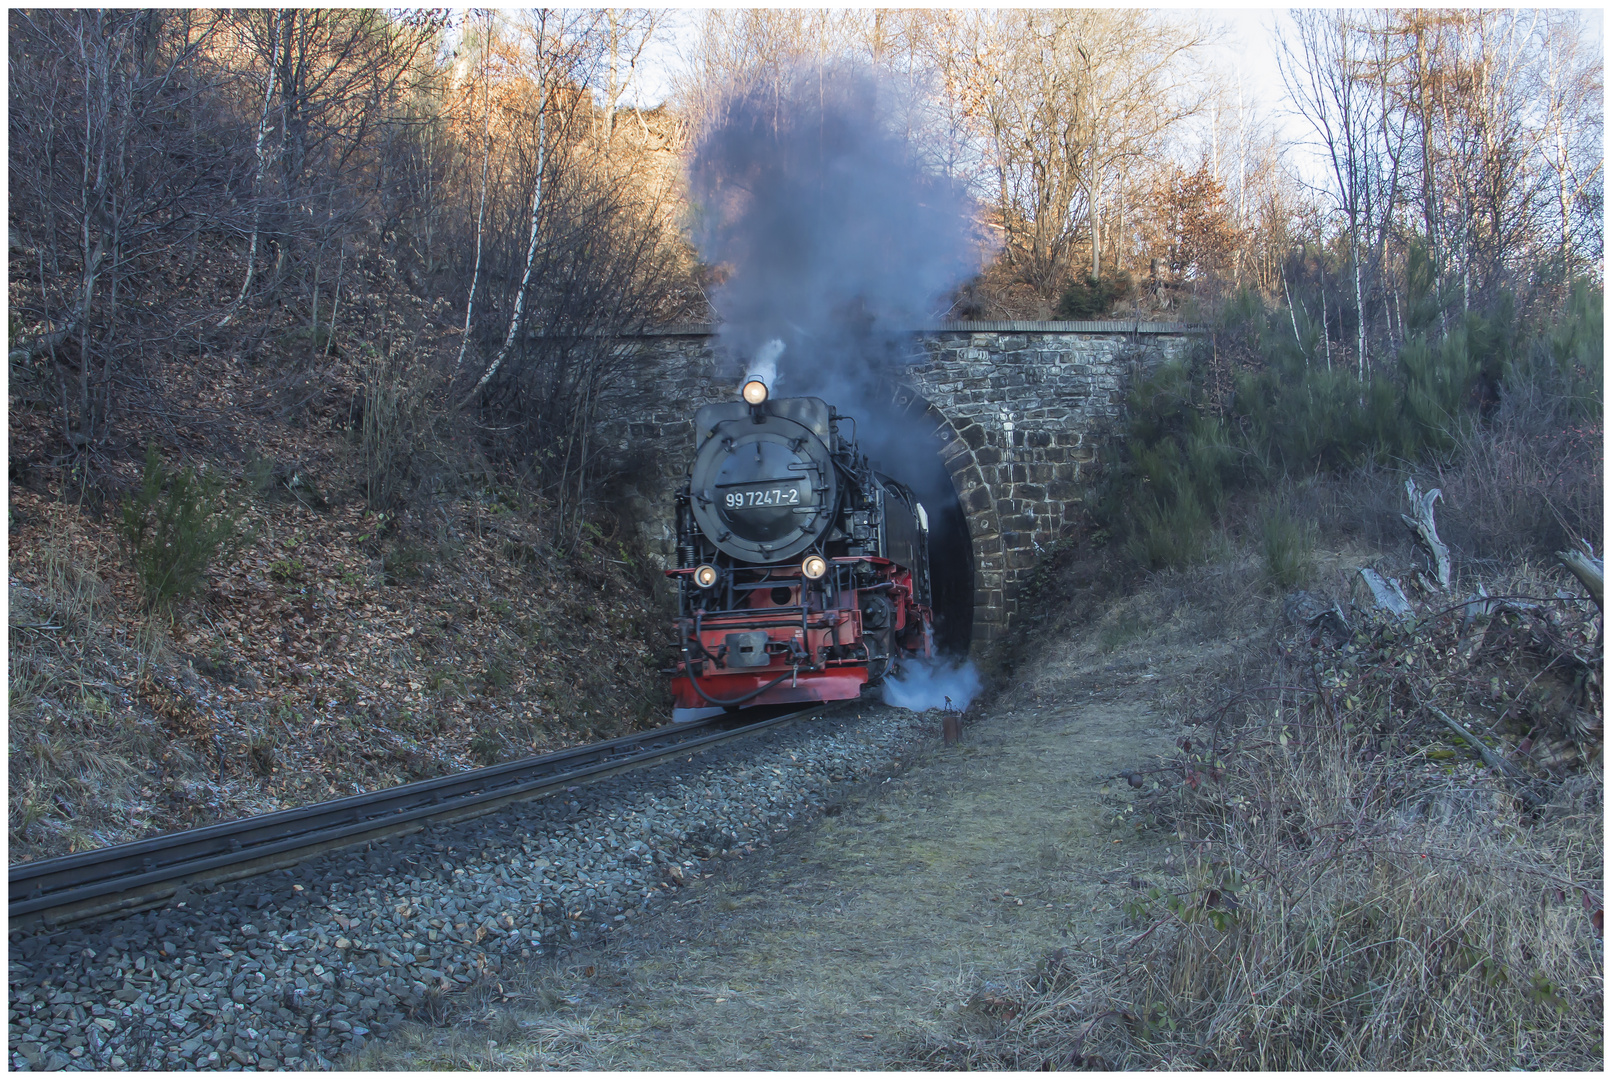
{"x":175,"y":709}
{"x":302,"y":661}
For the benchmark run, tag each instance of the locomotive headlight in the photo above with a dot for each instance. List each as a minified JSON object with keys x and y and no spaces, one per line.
{"x":705,"y":575}
{"x":814,"y":567}
{"x":759,"y":374}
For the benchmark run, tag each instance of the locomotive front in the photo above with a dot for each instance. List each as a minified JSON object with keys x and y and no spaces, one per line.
{"x":803,"y":574}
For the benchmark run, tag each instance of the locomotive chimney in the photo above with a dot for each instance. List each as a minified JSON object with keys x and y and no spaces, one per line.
{"x":757,"y":384}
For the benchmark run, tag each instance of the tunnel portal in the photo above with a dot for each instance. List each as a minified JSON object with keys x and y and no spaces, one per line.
{"x":993,"y":424}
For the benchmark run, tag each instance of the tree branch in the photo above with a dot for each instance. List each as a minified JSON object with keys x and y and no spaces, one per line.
{"x":1420,"y":523}
{"x":1587,"y":568}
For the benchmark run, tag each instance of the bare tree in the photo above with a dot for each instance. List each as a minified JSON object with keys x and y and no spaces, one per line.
{"x":1571,"y":86}
{"x":580,"y":246}
{"x":1472,"y":134}
{"x":481,"y":200}
{"x":561,"y":50}
{"x":1326,"y":77}
{"x":107,"y":175}
{"x":270,"y":71}
{"x":1079,"y":99}
{"x":338,"y":82}
{"x":628,"y":33}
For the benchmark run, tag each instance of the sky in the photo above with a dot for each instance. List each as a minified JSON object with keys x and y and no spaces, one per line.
{"x":1246,"y":44}
{"x":1249,"y":42}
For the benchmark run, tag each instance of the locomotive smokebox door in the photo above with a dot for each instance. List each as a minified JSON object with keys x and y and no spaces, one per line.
{"x":764,"y":486}
{"x":748,"y":649}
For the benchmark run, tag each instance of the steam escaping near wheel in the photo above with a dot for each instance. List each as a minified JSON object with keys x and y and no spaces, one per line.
{"x":934,"y":683}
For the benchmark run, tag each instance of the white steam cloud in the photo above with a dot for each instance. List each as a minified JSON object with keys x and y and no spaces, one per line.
{"x":765,"y":365}
{"x":933,"y":684}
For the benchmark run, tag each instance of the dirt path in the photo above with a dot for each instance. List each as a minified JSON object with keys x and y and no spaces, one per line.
{"x":875,"y":924}
{"x":860,"y":933}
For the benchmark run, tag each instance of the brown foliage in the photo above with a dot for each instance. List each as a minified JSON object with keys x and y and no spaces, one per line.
{"x":1197,"y":234}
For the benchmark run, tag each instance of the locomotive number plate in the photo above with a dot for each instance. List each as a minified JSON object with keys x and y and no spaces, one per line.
{"x":757,"y":498}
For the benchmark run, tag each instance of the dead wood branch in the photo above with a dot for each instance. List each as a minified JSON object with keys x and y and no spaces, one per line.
{"x":1490,"y":758}
{"x":1420,"y":523}
{"x":43,"y":343}
{"x":1317,"y":613}
{"x":1586,"y":567}
{"x":1386,"y":593}
{"x":1479,"y":604}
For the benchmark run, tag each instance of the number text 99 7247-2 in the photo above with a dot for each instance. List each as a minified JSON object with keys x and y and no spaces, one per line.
{"x":757,"y":498}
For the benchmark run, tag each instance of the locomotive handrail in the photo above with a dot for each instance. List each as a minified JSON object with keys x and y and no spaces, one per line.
{"x":750,"y":621}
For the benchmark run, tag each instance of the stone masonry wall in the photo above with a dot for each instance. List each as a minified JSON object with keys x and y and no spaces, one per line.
{"x":1017,"y":407}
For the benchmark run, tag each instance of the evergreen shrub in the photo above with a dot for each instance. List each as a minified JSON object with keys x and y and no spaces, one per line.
{"x":174,"y":525}
{"x":1291,"y":414}
{"x":1090,"y":298}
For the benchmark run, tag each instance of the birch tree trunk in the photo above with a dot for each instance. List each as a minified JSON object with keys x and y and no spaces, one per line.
{"x":1360,"y":309}
{"x":1096,"y":241}
{"x":1293,"y":317}
{"x":1326,"y":337}
{"x":481,"y":209}
{"x":531,"y":257}
{"x":257,"y":175}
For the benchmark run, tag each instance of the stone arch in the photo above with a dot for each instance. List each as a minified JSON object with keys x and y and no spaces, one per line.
{"x":976,"y":500}
{"x":1015,"y":409}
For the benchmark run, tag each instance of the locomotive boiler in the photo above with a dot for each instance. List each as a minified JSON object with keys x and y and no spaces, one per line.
{"x":803,"y":574}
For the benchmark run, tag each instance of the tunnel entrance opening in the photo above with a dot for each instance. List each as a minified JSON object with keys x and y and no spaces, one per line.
{"x":899,"y":434}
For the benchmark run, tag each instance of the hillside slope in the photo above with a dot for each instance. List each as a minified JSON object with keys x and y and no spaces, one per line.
{"x":336,"y":650}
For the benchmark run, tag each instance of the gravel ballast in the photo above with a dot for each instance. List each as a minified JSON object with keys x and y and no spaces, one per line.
{"x":298,"y":968}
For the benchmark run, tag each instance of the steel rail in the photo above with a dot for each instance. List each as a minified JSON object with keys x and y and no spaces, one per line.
{"x":144,"y":873}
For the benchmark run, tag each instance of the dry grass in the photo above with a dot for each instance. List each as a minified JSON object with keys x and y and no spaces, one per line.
{"x":499,"y":1040}
{"x":1513,"y":493}
{"x":71,"y":736}
{"x":1324,"y":934}
{"x":1439,"y":940}
{"x":1360,"y":895}
{"x":1351,"y":889}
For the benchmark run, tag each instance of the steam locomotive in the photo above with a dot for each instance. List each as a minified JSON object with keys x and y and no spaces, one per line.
{"x":803,"y":574}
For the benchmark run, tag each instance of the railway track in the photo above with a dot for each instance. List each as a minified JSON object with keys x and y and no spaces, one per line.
{"x":129,"y":877}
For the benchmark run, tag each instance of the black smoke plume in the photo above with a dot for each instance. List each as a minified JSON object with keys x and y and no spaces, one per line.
{"x":833,"y":238}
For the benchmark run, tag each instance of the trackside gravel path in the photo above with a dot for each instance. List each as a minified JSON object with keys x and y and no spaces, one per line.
{"x":876,"y":924}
